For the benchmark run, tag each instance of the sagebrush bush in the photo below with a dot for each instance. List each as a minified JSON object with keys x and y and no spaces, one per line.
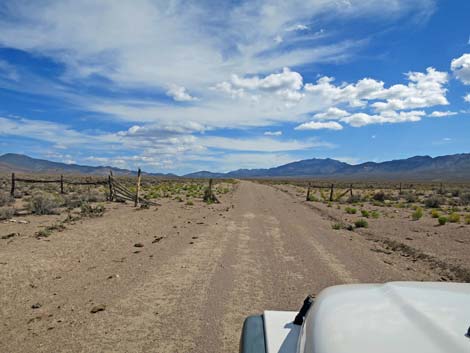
{"x":87,"y":210}
{"x":365,"y":213}
{"x":337,"y":226}
{"x":350,"y":210}
{"x":354,"y":199}
{"x":435,"y":214}
{"x":6,"y":213}
{"x":44,"y":203}
{"x":6,"y":199}
{"x":433,"y":202}
{"x":410,"y":197}
{"x":465,"y":198}
{"x":379,"y":196}
{"x":375,"y":214}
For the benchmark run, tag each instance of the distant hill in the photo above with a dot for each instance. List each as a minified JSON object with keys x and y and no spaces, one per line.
{"x":12,"y":162}
{"x":452,"y":167}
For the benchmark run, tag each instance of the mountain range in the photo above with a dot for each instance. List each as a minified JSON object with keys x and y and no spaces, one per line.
{"x":450,"y":167}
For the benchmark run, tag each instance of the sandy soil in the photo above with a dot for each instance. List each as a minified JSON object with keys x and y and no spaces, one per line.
{"x":195,"y":274}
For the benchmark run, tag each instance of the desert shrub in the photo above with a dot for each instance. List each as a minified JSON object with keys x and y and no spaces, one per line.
{"x":454,"y":218}
{"x":375,"y":214}
{"x":442,"y":220}
{"x":379,"y":196}
{"x":361,"y":223}
{"x":44,"y":203}
{"x":467,"y":219}
{"x":465,"y":198}
{"x":410,"y":197}
{"x":350,"y":210}
{"x":189,"y":203}
{"x":434,"y":202}
{"x":435,"y":214}
{"x":87,"y":210}
{"x":312,"y":198}
{"x":417,"y":214}
{"x":455,"y":192}
{"x":5,"y":199}
{"x":354,"y":199}
{"x":6,"y":213}
{"x":337,"y":226}
{"x":365,"y":213}
{"x":94,"y":196}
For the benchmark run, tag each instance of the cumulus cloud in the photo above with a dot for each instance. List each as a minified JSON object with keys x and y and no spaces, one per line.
{"x":319,"y":125}
{"x":466,"y":98}
{"x":363,"y":119}
{"x":438,"y":114}
{"x":179,"y":94}
{"x":331,"y":113}
{"x":461,"y":68}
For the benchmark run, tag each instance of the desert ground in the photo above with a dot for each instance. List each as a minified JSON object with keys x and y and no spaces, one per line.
{"x":182,"y":276}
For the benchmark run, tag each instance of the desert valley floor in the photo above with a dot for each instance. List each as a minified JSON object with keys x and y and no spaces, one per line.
{"x":181,"y":278}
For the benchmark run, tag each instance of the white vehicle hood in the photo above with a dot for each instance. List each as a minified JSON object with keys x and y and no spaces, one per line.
{"x":397,"y":317}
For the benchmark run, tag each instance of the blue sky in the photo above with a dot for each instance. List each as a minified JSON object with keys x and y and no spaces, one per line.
{"x":177,"y":86}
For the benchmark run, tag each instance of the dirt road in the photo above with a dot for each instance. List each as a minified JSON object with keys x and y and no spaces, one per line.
{"x":185,"y":292}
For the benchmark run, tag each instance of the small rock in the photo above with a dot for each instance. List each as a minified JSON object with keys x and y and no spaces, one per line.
{"x":137,"y":251}
{"x":194,"y":238}
{"x":36,"y":306}
{"x":98,"y":308}
{"x":156,"y":240}
{"x":139,"y":245}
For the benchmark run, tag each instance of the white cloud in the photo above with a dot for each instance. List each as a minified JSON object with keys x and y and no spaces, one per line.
{"x":466,"y":98}
{"x":461,"y":68}
{"x":362,"y":119}
{"x":179,"y":94}
{"x":332,"y":113}
{"x":437,"y":114}
{"x":298,"y":27}
{"x":273,"y":133}
{"x":318,"y":125}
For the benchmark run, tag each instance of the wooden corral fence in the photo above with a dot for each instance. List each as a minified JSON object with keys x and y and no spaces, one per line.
{"x":401,"y":187}
{"x":117,"y":190}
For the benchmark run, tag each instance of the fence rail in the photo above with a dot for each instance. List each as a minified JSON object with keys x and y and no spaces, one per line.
{"x":117,"y":191}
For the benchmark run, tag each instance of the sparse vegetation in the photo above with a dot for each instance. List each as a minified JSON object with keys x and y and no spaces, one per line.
{"x":365,"y":213}
{"x":350,"y":210}
{"x":417,"y":214}
{"x":6,"y":199}
{"x":6,"y":213}
{"x":454,"y":218}
{"x":375,"y":214}
{"x":337,"y":226}
{"x":88,"y":210}
{"x":442,"y":220}
{"x":42,"y":203}
{"x":361,"y":223}
{"x":435,"y":214}
{"x":433,"y":201}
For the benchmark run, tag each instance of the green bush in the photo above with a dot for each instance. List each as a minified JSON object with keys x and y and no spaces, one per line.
{"x":375,"y":214}
{"x":350,"y":210}
{"x":417,"y":214}
{"x":312,"y":198}
{"x":442,"y":220}
{"x":43,"y":203}
{"x":454,"y":218}
{"x":365,"y":213}
{"x":189,"y":203}
{"x":435,"y":214}
{"x":467,"y":219}
{"x":361,"y":223}
{"x":337,"y":226}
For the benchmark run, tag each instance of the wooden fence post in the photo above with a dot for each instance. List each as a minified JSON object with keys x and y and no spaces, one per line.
{"x":350,"y":190}
{"x":308,"y":192}
{"x":12,"y":191}
{"x":61,"y":184}
{"x":400,"y":189}
{"x":110,"y":186}
{"x":331,"y":192}
{"x":137,"y":190}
